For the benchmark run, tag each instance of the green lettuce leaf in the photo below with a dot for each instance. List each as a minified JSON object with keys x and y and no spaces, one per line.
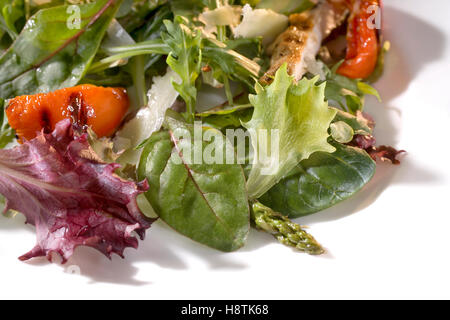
{"x":293,"y":115}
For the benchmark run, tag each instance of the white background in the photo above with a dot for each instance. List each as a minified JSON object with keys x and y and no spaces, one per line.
{"x":390,"y":241}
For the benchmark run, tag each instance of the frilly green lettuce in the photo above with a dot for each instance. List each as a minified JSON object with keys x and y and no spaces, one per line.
{"x":296,"y":117}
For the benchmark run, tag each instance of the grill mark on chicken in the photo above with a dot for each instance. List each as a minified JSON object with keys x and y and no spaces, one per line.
{"x":302,"y":40}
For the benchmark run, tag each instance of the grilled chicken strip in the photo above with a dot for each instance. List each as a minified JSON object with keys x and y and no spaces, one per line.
{"x":300,"y":43}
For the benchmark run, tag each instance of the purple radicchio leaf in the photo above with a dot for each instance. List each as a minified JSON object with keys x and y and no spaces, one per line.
{"x":72,"y":197}
{"x":384,"y":153}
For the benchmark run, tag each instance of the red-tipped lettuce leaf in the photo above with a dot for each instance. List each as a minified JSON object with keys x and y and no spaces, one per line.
{"x":72,"y":198}
{"x":384,"y":153}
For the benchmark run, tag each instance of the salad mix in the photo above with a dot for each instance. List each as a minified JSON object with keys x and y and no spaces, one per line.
{"x":214,"y":116}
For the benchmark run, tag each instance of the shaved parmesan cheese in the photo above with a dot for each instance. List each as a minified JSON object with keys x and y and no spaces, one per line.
{"x":263,"y":23}
{"x":149,"y":119}
{"x":222,"y":16}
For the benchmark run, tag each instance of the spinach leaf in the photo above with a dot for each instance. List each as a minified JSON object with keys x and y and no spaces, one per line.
{"x":205,"y":202}
{"x":321,"y":181}
{"x":12,"y":17}
{"x":6,"y":132}
{"x":49,"y":55}
{"x":230,"y":63}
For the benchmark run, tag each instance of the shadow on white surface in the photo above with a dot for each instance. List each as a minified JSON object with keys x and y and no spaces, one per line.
{"x":162,"y":248}
{"x":386,"y":175}
{"x":414,"y":44}
{"x":411,"y":35}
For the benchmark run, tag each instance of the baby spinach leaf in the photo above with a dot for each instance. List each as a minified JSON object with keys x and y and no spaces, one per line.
{"x":51,"y":52}
{"x":205,"y":202}
{"x":290,"y":122}
{"x":321,"y":181}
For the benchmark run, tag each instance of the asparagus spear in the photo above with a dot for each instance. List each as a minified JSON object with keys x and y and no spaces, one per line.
{"x":284,"y":230}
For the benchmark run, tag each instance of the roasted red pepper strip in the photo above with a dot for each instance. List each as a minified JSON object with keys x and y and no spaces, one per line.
{"x":362,"y":41}
{"x":100,"y":108}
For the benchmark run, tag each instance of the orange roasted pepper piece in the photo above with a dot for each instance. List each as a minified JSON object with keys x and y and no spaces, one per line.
{"x":100,"y":108}
{"x":362,"y":41}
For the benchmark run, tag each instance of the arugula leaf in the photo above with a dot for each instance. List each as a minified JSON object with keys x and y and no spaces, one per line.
{"x":185,"y":58}
{"x":345,"y":92}
{"x":233,"y":65}
{"x":227,"y":118}
{"x":298,"y":116}
{"x":6,"y":132}
{"x":48,"y":55}
{"x":219,"y":56}
{"x":321,"y":181}
{"x":205,"y":202}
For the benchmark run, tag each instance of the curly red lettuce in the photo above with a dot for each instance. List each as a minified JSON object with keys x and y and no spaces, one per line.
{"x":74,"y":199}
